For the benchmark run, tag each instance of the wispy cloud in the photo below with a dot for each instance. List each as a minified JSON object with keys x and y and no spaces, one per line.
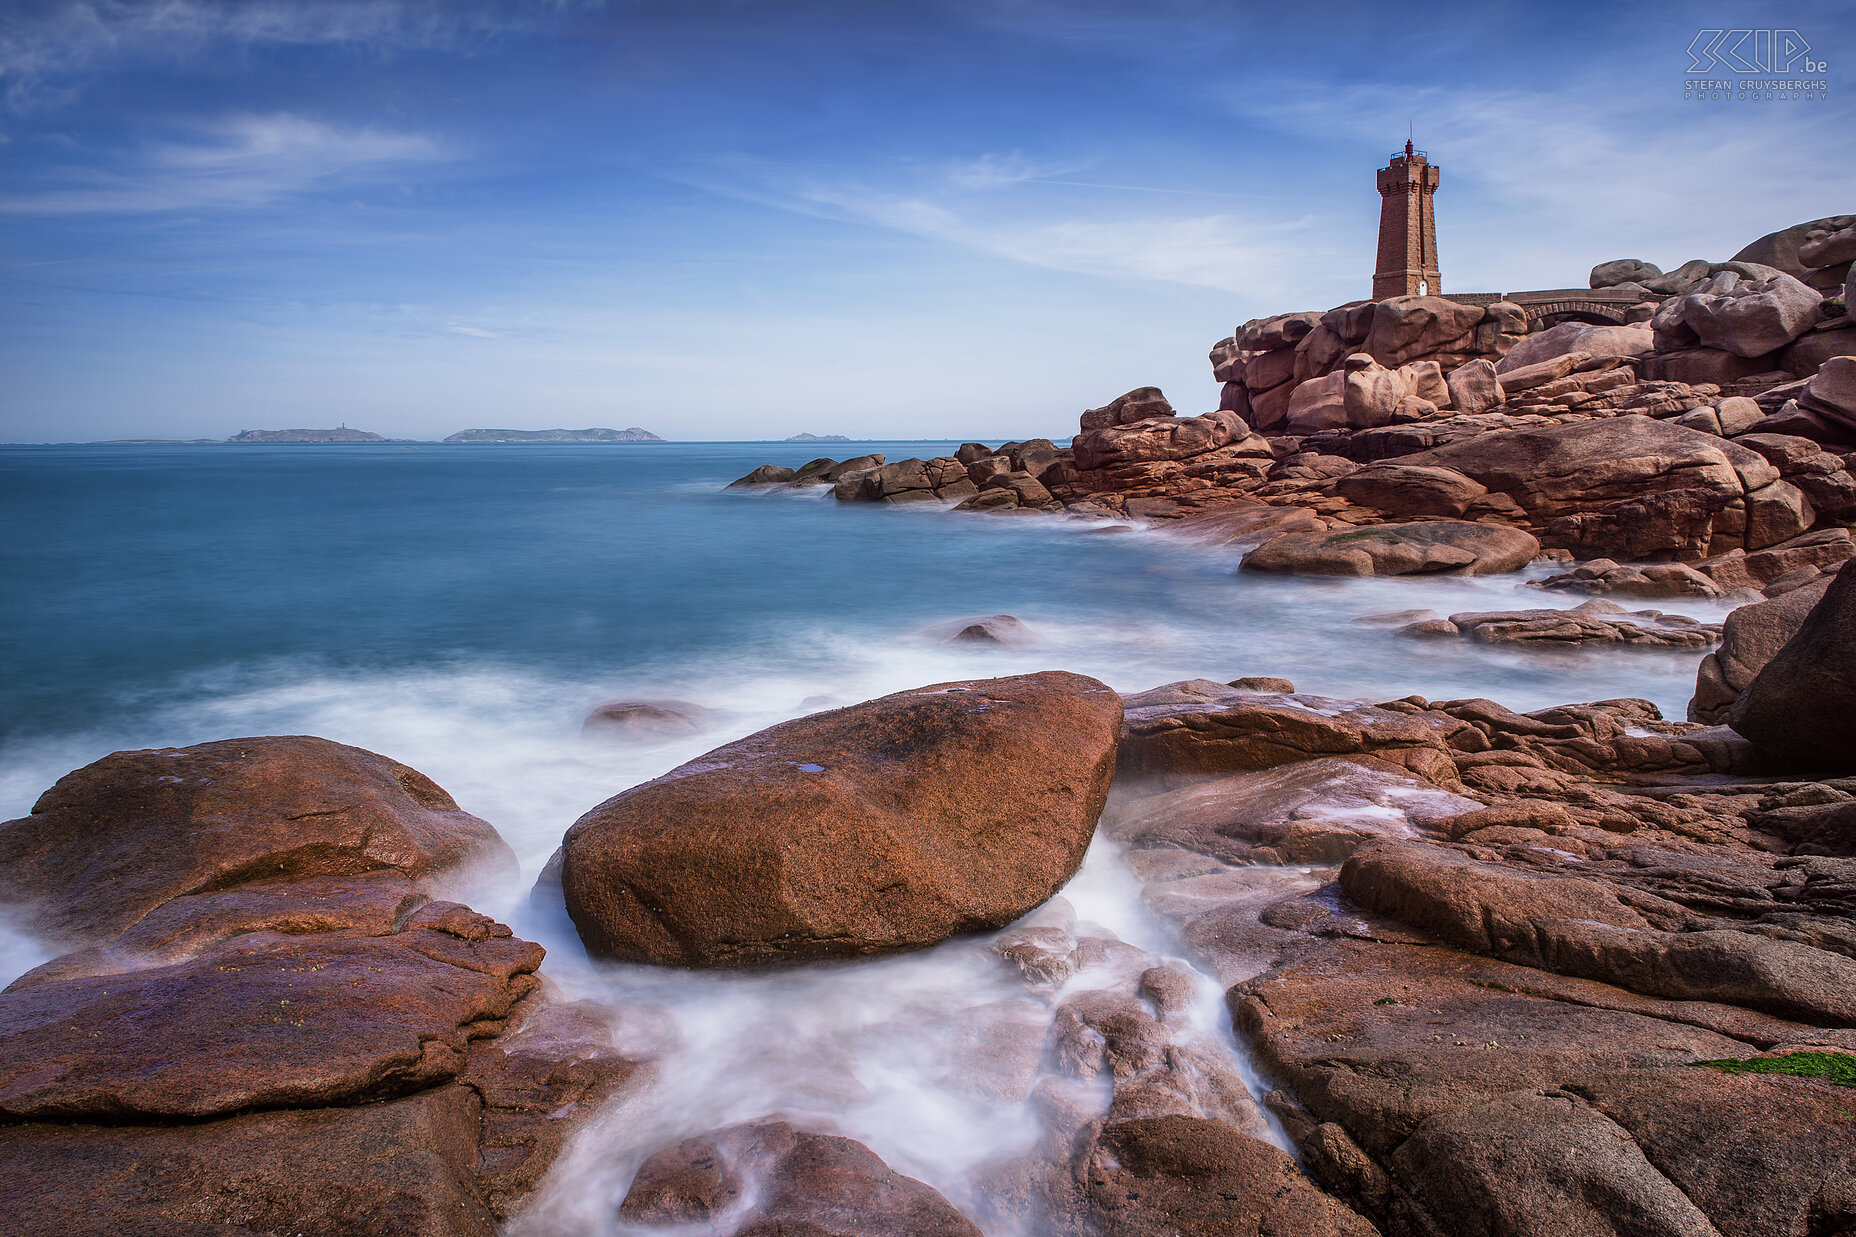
{"x":242,"y":162}
{"x":1015,"y":207}
{"x":48,"y":47}
{"x":1553,"y":171}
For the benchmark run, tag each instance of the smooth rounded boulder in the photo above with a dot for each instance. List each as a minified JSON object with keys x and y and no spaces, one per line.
{"x":874,"y":829}
{"x":117,"y":838}
{"x":1424,"y":547}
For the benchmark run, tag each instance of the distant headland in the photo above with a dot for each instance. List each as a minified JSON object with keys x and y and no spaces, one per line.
{"x":634,"y":434}
{"x":818,"y":438}
{"x":343,"y":434}
{"x":339,"y":434}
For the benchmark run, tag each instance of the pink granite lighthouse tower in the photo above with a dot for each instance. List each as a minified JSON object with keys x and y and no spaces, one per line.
{"x":1407,"y":229}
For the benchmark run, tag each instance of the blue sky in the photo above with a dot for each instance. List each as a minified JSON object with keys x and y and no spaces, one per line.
{"x":746,"y":220}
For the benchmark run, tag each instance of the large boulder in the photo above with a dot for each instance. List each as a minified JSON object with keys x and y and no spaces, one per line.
{"x":1180,"y":1175}
{"x":1372,"y":395}
{"x":1797,"y":709}
{"x":1313,"y":406}
{"x":766,"y":474}
{"x":1280,"y":331}
{"x":1831,"y":393}
{"x":885,"y":826}
{"x":1158,"y":438}
{"x":1811,"y":350}
{"x":1589,"y":929}
{"x":117,"y":838}
{"x":1408,"y":327}
{"x":1474,"y":387}
{"x":1828,"y":248}
{"x":1750,"y":317}
{"x":1408,"y":490}
{"x":784,"y":1181}
{"x":305,"y":1021}
{"x":646,"y":719}
{"x":1428,"y":547}
{"x":1181,"y":732}
{"x":1751,"y":637}
{"x":402,"y":1168}
{"x":1570,"y":337}
{"x":1554,"y":470}
{"x":1780,"y":250}
{"x":284,"y":1037}
{"x":1623,"y":270}
{"x":1140,"y":404}
{"x":1542,"y":1163}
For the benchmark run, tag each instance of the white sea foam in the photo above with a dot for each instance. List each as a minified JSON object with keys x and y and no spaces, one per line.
{"x":881,"y":1051}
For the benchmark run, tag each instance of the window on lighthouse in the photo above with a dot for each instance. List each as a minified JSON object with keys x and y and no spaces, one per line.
{"x":1424,"y":288}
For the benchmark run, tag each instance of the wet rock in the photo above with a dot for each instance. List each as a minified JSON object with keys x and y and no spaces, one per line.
{"x":298,"y":1022}
{"x":117,"y":838}
{"x":1180,"y":1176}
{"x":373,"y":904}
{"x":886,"y":826}
{"x":402,"y":1168}
{"x":766,"y":474}
{"x":1541,"y":1164}
{"x":772,"y":1180}
{"x":1310,"y":812}
{"x":1380,"y":1037}
{"x":1429,"y":547}
{"x":1586,"y":929}
{"x":1747,"y":1149}
{"x":1590,"y":623}
{"x":646,"y":719}
{"x":1263,"y":683}
{"x":1796,"y":709}
{"x":1820,"y":549}
{"x":537,"y":1085}
{"x":989,"y":629}
{"x":1194,"y":728}
{"x":1602,"y":577}
{"x":1750,"y":638}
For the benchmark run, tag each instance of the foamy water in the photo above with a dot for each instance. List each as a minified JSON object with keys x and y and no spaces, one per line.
{"x":504,"y":613}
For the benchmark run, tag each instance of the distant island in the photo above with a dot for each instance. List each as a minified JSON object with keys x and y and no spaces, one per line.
{"x":818,"y":438}
{"x":634,"y":434}
{"x":339,"y":434}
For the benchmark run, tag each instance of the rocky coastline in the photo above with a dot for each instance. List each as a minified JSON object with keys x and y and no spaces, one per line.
{"x":1577,"y":970}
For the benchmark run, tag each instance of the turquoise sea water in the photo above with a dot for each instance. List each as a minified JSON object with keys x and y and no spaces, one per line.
{"x":445,"y":603}
{"x":463,"y":608}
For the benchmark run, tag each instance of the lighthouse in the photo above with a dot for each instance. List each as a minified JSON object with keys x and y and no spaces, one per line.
{"x":1407,"y":228}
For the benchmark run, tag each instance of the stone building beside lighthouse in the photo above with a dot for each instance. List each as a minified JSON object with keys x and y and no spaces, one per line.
{"x":1407,"y":228}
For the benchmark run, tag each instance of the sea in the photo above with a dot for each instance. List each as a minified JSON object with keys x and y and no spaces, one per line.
{"x":462,"y":608}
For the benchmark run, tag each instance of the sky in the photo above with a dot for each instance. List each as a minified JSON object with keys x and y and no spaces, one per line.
{"x":752,"y":219}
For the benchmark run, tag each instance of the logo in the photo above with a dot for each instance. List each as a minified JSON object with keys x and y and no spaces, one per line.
{"x":1752,"y":51}
{"x":1746,"y":66}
